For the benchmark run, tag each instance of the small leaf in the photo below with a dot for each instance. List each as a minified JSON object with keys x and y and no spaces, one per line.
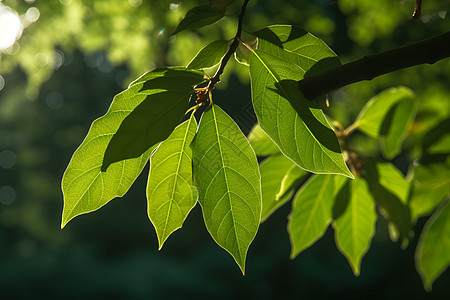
{"x":433,"y":250}
{"x":390,"y":190}
{"x":242,"y":53}
{"x":227,"y":177}
{"x":273,"y":171}
{"x":167,"y":95}
{"x":209,"y":56}
{"x":296,"y":125}
{"x":290,"y":180}
{"x":371,"y":117}
{"x":170,"y":191}
{"x":85,"y":187}
{"x":394,"y":127}
{"x":355,"y":222}
{"x":393,"y":180}
{"x":311,"y":212}
{"x":431,"y":184}
{"x":200,"y":16}
{"x":261,"y":142}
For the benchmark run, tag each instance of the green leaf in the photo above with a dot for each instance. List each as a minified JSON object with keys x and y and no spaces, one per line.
{"x":273,"y":170}
{"x":290,"y":180}
{"x":227,"y":177}
{"x":311,"y":212}
{"x":393,"y":180}
{"x":210,"y":55}
{"x":296,"y":125}
{"x":297,"y":46}
{"x":261,"y":142}
{"x":390,"y":190}
{"x":166,"y":95}
{"x":200,"y":16}
{"x":85,"y":187}
{"x":170,"y":191}
{"x":371,"y":117}
{"x":394,"y":127}
{"x":354,"y":224}
{"x":221,"y":4}
{"x":442,"y":146}
{"x":431,"y":184}
{"x":433,"y":250}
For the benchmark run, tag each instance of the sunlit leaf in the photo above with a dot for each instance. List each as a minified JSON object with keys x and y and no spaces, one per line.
{"x":170,"y":191}
{"x":200,"y":16}
{"x":355,"y":217}
{"x":227,"y":177}
{"x":261,"y":142}
{"x":393,"y":180}
{"x":85,"y":187}
{"x":394,"y":127}
{"x":442,"y":146}
{"x":297,"y":46}
{"x":433,"y":250}
{"x":431,"y":184}
{"x":209,"y":56}
{"x":371,"y":117}
{"x":273,"y":171}
{"x":290,"y":180}
{"x":311,"y":212}
{"x":298,"y":126}
{"x":390,"y":190}
{"x":167,"y":93}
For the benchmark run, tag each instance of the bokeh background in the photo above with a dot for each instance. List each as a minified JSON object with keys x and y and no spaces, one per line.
{"x":72,"y":56}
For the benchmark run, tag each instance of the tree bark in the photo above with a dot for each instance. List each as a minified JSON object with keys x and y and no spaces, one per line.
{"x":425,"y":52}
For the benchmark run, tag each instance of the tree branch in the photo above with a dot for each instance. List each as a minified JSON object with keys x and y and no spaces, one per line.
{"x":425,"y":52}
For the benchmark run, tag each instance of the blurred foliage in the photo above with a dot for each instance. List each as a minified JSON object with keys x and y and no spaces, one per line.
{"x":80,"y":53}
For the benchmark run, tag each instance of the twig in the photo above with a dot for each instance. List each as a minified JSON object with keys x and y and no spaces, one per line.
{"x":417,"y":9}
{"x":425,"y":52}
{"x":233,"y":47}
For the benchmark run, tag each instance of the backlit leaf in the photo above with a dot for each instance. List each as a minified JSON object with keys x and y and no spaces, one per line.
{"x":390,"y":190}
{"x":371,"y":117}
{"x":209,"y":56}
{"x":227,"y":177}
{"x":394,"y":128}
{"x":290,"y":180}
{"x":311,"y":212}
{"x":433,"y":250}
{"x":261,"y":142}
{"x":431,"y":184}
{"x":273,"y":171}
{"x":354,"y":224}
{"x":200,"y":16}
{"x":85,"y":187}
{"x":167,"y":93}
{"x":298,"y":126}
{"x":170,"y":191}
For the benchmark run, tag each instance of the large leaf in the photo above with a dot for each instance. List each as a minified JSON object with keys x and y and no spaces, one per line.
{"x":210,"y":55}
{"x":273,"y":170}
{"x":200,"y":16}
{"x":431,"y":184}
{"x":311,"y":212}
{"x":371,"y":117}
{"x":433,"y":250}
{"x":355,"y":217}
{"x":85,"y":187}
{"x":167,"y":98}
{"x":170,"y":191}
{"x":261,"y":142}
{"x":394,"y":127}
{"x":296,"y":125}
{"x":227,"y":177}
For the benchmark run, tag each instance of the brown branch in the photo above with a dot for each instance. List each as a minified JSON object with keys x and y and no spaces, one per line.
{"x":232,"y":48}
{"x":417,"y":9}
{"x":425,"y":52}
